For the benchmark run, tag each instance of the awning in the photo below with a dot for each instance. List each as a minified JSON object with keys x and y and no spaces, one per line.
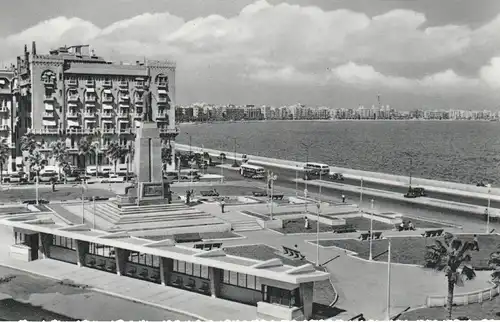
{"x":49,"y":107}
{"x":89,"y":121}
{"x":49,"y":123}
{"x":72,"y":104}
{"x":162,"y":92}
{"x":73,"y":123}
{"x":123,"y":89}
{"x":107,"y":91}
{"x":124,"y":103}
{"x":2,"y":81}
{"x":90,"y":90}
{"x":123,"y":121}
{"x":107,"y":106}
{"x":107,"y":121}
{"x":124,"y":97}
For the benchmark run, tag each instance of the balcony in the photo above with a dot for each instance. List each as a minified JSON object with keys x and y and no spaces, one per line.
{"x":162,"y":115}
{"x":73,"y":98}
{"x":139,"y":84}
{"x":89,"y":115}
{"x":107,"y":115}
{"x":162,"y":85}
{"x":122,"y":114}
{"x":4,"y":109}
{"x":90,"y":99}
{"x":123,"y":98}
{"x":125,"y":130}
{"x":107,"y":98}
{"x":107,"y":83}
{"x":108,"y":130}
{"x":45,"y":130}
{"x":123,"y":84}
{"x":72,"y":115}
{"x":89,"y":83}
{"x":137,"y":115}
{"x":4,"y":128}
{"x":139,"y":100}
{"x":48,"y":98}
{"x":48,"y":83}
{"x":72,"y":82}
{"x":47,"y":115}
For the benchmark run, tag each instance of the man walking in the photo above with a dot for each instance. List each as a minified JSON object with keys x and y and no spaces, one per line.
{"x":343,"y":198}
{"x":222,"y":204}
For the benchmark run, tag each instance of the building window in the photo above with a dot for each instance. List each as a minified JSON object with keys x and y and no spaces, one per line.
{"x":191,"y":269}
{"x":241,"y":280}
{"x":144,"y":259}
{"x":64,"y":242}
{"x":101,"y":250}
{"x":20,"y":238}
{"x":275,"y":295}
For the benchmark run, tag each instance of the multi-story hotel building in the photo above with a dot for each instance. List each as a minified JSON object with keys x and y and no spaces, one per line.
{"x":71,"y":93}
{"x":7,"y":115}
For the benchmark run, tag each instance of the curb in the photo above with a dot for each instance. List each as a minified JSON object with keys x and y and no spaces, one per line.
{"x":112,"y":293}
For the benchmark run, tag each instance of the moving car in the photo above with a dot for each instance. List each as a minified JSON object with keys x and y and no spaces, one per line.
{"x":415,"y":192}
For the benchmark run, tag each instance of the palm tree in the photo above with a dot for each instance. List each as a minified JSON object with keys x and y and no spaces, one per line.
{"x":4,"y":156}
{"x":115,"y":152}
{"x":451,"y":256}
{"x":129,"y":151}
{"x":60,"y":154}
{"x":29,"y":144}
{"x":494,"y":262}
{"x":86,"y":147}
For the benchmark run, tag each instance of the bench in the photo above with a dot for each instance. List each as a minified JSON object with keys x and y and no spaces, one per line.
{"x":91,"y":262}
{"x":132,"y":271}
{"x":144,"y":273}
{"x":205,"y":288}
{"x":111,"y":267}
{"x":259,"y":193}
{"x":404,"y":228}
{"x":293,"y":252}
{"x":433,"y":233}
{"x":178,"y":282}
{"x":207,"y":246}
{"x":155,"y":277}
{"x":342,"y":229}
{"x":191,"y":284}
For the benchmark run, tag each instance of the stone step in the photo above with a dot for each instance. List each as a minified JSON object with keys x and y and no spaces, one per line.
{"x":246,"y":226}
{"x":122,"y":222}
{"x":177,"y":224}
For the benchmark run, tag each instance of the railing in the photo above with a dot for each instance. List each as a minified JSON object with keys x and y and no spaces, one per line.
{"x":47,"y":115}
{"x":4,"y":128}
{"x":106,"y":115}
{"x":122,"y":114}
{"x":3,"y":109}
{"x":125,"y":130}
{"x":73,"y":82}
{"x":48,"y":82}
{"x":108,"y":130}
{"x":162,"y":84}
{"x":71,"y":115}
{"x":162,"y":115}
{"x":464,"y":299}
{"x":48,"y":130}
{"x":107,"y":98}
{"x":122,"y":84}
{"x":89,"y":114}
{"x":72,"y":98}
{"x":48,"y":98}
{"x":91,"y":98}
{"x":137,"y":115}
{"x":107,"y":83}
{"x":162,"y":99}
{"x":169,"y":130}
{"x":89,"y":83}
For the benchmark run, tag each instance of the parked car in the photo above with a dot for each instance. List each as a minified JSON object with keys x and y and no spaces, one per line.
{"x":33,"y":202}
{"x":336,"y":176}
{"x":170,"y":175}
{"x":114,"y":178}
{"x":415,"y":192}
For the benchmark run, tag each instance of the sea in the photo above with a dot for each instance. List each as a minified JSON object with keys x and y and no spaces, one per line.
{"x":458,"y":151}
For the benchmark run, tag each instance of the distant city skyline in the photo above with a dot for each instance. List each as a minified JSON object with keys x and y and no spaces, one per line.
{"x":417,"y":54}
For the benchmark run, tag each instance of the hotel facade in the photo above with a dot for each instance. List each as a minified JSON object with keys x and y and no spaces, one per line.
{"x":72,"y":93}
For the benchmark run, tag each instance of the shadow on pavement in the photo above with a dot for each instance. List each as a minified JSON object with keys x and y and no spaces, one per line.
{"x":12,"y":310}
{"x":323,"y":312}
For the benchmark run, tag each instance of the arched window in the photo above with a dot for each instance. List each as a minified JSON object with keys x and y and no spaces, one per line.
{"x":4,"y":83}
{"x":161,"y":79}
{"x":48,"y":76}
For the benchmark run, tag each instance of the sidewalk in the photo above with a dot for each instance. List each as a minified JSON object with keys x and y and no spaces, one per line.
{"x":199,"y":306}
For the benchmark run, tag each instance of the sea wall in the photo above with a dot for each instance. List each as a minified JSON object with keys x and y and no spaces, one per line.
{"x":382,"y":178}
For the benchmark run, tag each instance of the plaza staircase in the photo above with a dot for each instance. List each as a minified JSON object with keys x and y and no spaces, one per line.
{"x":154,"y":218}
{"x":240,"y":222}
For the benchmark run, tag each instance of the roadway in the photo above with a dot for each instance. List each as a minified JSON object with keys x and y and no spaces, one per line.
{"x":286,"y":180}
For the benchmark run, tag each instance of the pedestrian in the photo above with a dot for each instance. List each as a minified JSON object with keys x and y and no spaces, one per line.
{"x":222,"y":204}
{"x":476,"y":243}
{"x":188,"y":196}
{"x":410,"y":226}
{"x":401,"y":226}
{"x":343,"y":198}
{"x":306,"y":223}
{"x":53,"y":185}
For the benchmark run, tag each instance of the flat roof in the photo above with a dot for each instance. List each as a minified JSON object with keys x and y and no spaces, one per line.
{"x":273,"y":269}
{"x":108,"y":69}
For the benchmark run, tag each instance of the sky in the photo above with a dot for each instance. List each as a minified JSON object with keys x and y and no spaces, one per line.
{"x":415,"y":54}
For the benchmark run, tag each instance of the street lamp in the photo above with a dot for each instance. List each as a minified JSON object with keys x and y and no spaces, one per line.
{"x":411,"y":163}
{"x":388,"y":311}
{"x":361,"y":193}
{"x":271,"y":179}
{"x":189,"y":144}
{"x":318,"y":205}
{"x":83,"y":204}
{"x":296,"y":181}
{"x":371,"y":231}
{"x":93,"y":210}
{"x":488,"y":209}
{"x":235,"y":163}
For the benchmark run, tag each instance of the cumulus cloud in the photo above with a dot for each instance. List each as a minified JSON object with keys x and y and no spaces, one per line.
{"x":288,"y":44}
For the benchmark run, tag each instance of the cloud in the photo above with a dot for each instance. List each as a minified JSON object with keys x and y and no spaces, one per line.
{"x":491,"y":73}
{"x":292,"y":44}
{"x":365,"y":75}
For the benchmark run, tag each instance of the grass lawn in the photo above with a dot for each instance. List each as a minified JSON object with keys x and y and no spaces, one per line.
{"x":257,"y":215}
{"x":363,"y":224}
{"x":294,"y":226}
{"x":223,"y":190}
{"x":61,"y":193}
{"x":324,"y":294}
{"x":488,"y":310}
{"x":411,"y":250}
{"x":14,"y":210}
{"x":219,"y":235}
{"x":423,"y":224}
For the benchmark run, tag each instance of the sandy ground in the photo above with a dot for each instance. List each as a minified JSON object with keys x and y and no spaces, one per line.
{"x":30,"y":297}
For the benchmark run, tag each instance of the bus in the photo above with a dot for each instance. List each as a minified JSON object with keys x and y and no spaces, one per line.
{"x":318,"y":168}
{"x":252,"y":171}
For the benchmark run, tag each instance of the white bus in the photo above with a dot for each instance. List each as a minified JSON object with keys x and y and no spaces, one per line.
{"x":252,"y":171}
{"x":322,"y":168}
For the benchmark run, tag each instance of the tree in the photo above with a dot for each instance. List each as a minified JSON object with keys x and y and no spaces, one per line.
{"x":86,"y":147}
{"x":115,"y":152}
{"x":166,"y":154}
{"x":4,"y":156}
{"x":129,"y":152}
{"x":494,"y":262}
{"x":30,"y":145}
{"x":59,"y":151}
{"x":451,"y":256}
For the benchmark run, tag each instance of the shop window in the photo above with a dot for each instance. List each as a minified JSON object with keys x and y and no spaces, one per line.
{"x":191,"y":269}
{"x":241,"y":280}
{"x":20,"y":238}
{"x":101,"y":250}
{"x":64,"y":242}
{"x":275,"y":295}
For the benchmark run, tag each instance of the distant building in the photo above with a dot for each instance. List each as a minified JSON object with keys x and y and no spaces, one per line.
{"x":8,"y":109}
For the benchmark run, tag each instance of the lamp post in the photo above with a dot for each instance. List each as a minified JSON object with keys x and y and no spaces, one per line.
{"x":319,"y":197}
{"x":318,"y":205}
{"x":296,"y":181}
{"x":411,"y":164}
{"x":93,"y":210}
{"x":361,"y":193}
{"x":388,"y":311}
{"x":371,"y":232}
{"x":272,"y":178}
{"x":235,"y":163}
{"x":189,"y":144}
{"x":83,"y":205}
{"x":488,"y":209}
